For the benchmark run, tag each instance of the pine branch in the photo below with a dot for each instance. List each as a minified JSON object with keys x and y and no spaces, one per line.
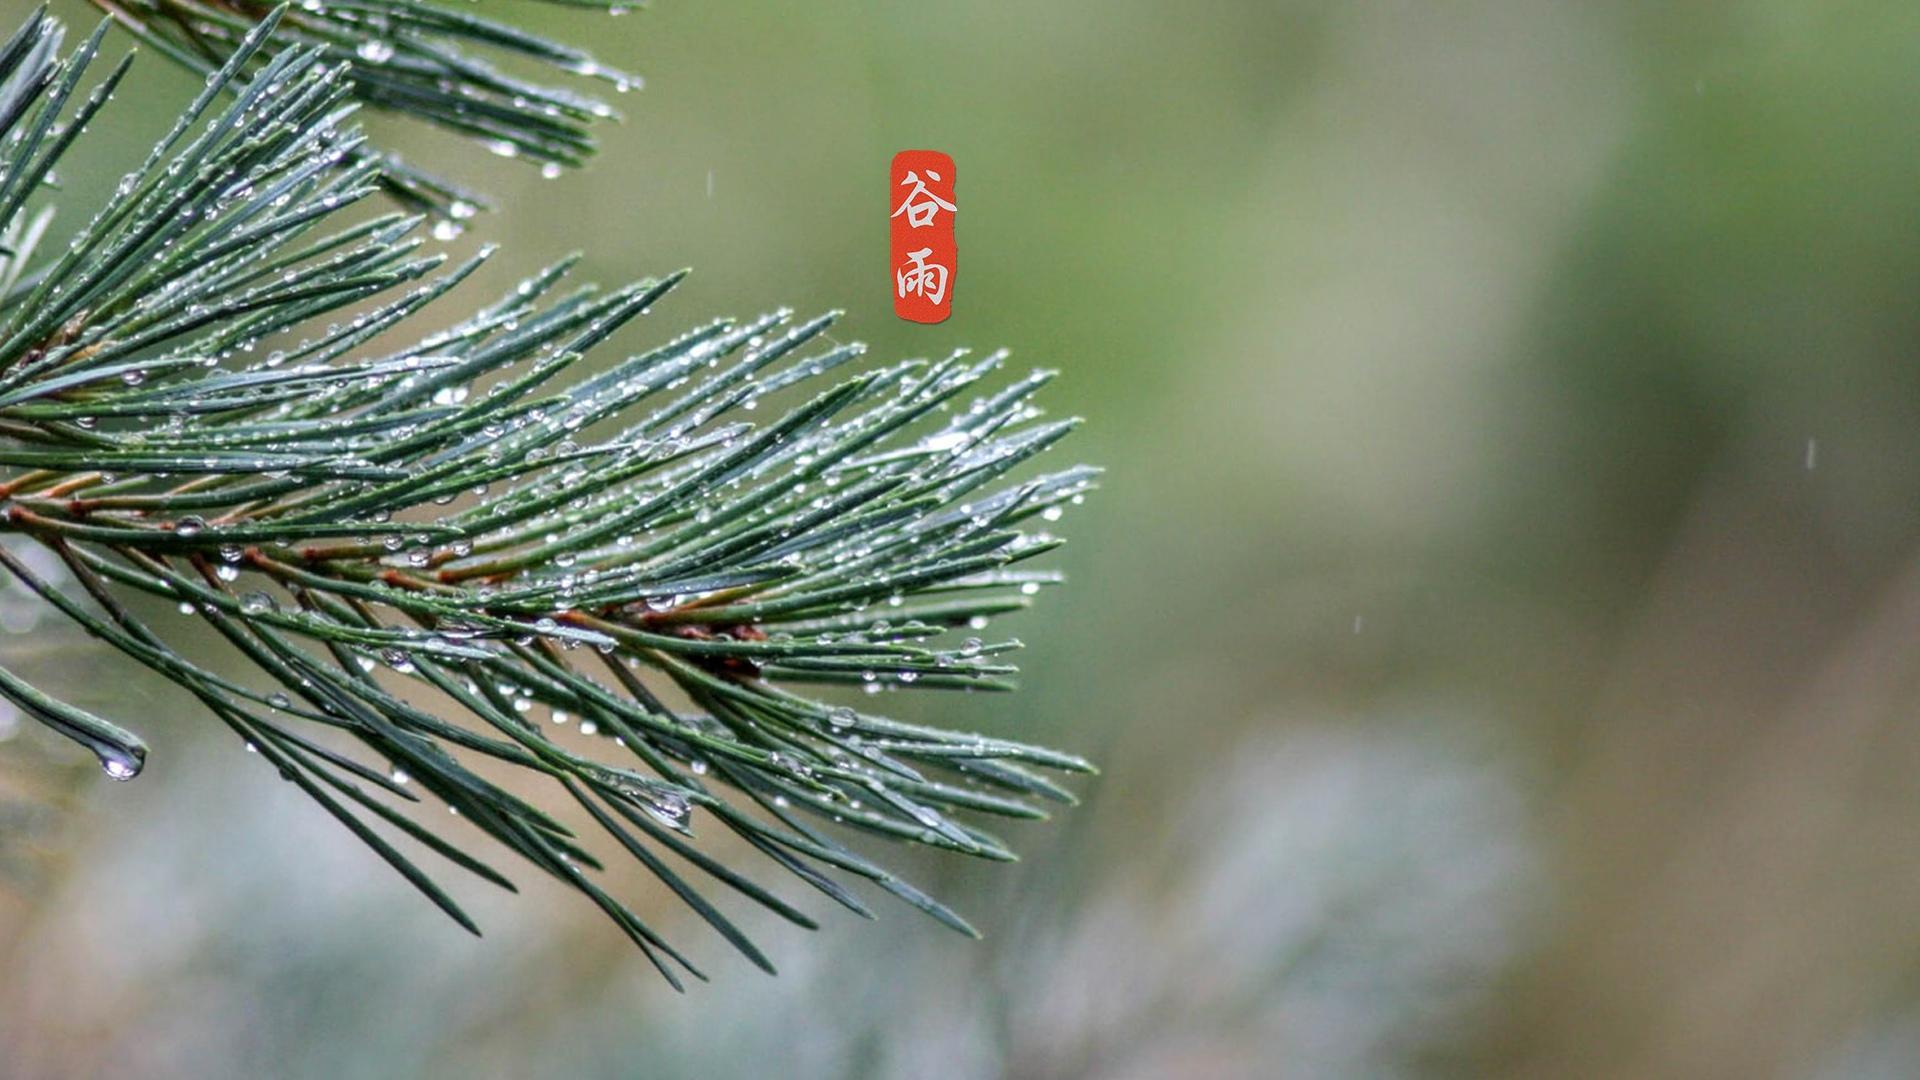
{"x":421,"y":549}
{"x":411,"y":58}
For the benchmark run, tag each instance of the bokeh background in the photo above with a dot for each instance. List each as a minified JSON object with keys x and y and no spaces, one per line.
{"x":1500,"y":626}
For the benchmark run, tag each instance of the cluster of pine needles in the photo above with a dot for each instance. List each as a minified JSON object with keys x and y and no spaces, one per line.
{"x":495,"y":544}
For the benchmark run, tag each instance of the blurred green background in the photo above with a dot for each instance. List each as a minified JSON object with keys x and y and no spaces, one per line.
{"x":1500,"y":627}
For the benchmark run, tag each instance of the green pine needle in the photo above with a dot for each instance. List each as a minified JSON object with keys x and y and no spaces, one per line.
{"x":463,"y":549}
{"x":412,"y":58}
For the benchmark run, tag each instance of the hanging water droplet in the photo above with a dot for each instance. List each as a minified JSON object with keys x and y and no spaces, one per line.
{"x":255,"y":603}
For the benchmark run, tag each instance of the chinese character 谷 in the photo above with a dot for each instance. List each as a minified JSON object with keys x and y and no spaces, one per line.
{"x":921,"y":205}
{"x":921,"y":277}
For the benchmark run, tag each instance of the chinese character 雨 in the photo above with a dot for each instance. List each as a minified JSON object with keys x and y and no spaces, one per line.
{"x":921,"y":205}
{"x":921,"y":277}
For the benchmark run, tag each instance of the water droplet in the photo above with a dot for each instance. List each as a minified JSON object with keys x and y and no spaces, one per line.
{"x":121,"y":762}
{"x":669,"y":806}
